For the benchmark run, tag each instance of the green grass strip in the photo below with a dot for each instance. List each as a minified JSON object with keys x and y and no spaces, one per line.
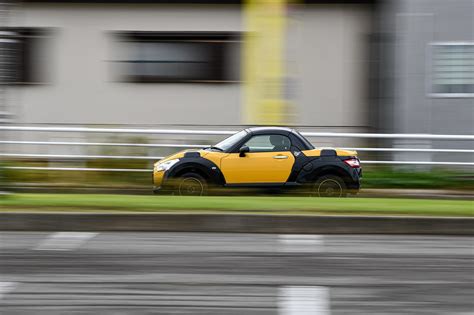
{"x":231,"y":204}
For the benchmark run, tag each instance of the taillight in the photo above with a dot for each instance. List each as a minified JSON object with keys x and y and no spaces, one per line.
{"x":354,"y":162}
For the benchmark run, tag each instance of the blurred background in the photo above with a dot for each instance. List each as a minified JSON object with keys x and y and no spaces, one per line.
{"x":92,"y":93}
{"x":348,"y":67}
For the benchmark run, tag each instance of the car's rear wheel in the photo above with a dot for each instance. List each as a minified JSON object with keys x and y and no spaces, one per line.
{"x":192,"y":184}
{"x":329,"y":186}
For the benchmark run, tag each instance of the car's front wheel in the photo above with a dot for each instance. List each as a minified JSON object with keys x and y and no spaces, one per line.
{"x":329,"y":186}
{"x":191,"y":184}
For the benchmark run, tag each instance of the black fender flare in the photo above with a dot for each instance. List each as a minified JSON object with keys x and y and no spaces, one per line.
{"x":199,"y":165}
{"x":316,"y":168}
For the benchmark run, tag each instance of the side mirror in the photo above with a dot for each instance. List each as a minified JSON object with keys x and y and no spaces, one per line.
{"x":244,"y":149}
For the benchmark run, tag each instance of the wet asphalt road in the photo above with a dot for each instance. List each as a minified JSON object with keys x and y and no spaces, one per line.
{"x":199,"y":273}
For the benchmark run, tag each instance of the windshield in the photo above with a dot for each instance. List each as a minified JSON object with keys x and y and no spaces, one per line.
{"x":231,"y":141}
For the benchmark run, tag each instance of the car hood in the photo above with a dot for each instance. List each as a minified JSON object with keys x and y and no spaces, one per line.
{"x":180,"y":154}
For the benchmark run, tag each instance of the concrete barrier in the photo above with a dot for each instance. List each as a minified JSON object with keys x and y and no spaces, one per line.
{"x":294,"y":224}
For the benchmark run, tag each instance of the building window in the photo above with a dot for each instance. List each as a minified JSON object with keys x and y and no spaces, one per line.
{"x":452,"y":69}
{"x":21,"y":54}
{"x":177,"y":57}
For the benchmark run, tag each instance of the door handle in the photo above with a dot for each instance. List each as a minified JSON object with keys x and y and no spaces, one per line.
{"x":280,"y":157}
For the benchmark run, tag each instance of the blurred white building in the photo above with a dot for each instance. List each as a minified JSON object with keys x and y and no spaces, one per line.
{"x":178,"y":62}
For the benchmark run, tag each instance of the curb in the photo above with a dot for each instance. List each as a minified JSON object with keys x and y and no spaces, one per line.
{"x":290,"y":224}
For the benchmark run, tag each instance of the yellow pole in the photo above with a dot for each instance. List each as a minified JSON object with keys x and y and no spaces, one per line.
{"x":264,"y":62}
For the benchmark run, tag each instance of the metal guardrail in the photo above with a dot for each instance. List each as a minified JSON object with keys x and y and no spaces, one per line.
{"x":78,"y":169}
{"x":196,"y":146}
{"x":419,"y":163}
{"x":228,"y":132}
{"x":107,"y":144}
{"x":117,"y":130}
{"x":157,"y":158}
{"x":81,"y":156}
{"x":137,"y":170}
{"x":206,"y":132}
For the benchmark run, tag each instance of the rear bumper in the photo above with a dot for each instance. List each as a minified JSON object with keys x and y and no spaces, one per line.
{"x":353,"y":185}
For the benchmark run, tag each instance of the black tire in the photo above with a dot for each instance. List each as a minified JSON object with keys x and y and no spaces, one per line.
{"x":191,"y":184}
{"x":329,"y":186}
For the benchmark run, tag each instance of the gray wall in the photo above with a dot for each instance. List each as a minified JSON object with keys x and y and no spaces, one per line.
{"x":418,"y":24}
{"x":409,"y":27}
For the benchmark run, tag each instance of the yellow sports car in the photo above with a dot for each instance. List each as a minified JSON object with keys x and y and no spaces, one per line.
{"x":265,"y":158}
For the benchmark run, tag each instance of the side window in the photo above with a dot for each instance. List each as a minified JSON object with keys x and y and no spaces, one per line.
{"x":269,"y":143}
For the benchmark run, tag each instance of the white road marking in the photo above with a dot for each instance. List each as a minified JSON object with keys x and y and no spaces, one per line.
{"x":6,"y":287}
{"x":301,"y":243}
{"x":303,"y":300}
{"x":65,"y":240}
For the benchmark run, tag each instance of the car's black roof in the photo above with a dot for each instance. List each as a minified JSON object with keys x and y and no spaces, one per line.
{"x":297,"y":139}
{"x":276,"y":130}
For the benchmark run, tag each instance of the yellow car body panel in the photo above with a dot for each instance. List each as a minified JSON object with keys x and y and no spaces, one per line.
{"x":210,"y":155}
{"x":339,"y":152}
{"x":177,"y":155}
{"x":214,"y":157}
{"x":257,"y":167}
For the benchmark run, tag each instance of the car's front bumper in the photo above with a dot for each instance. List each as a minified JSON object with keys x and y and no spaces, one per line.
{"x":158,"y":178}
{"x":158,"y":190}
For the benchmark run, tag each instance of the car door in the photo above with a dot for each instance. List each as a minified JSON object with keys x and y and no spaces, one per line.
{"x":269,"y":160}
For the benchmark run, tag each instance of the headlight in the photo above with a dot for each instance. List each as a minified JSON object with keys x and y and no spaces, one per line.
{"x":165,"y":165}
